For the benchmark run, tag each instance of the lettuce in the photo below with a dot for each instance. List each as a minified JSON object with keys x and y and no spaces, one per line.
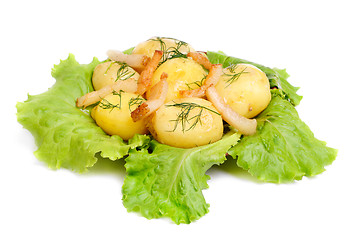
{"x":277,"y":77}
{"x":67,"y":136}
{"x":165,"y":181}
{"x":284,"y":148}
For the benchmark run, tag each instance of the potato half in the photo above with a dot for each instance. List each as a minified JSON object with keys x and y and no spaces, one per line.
{"x":183,"y":74}
{"x":108,"y":73}
{"x":245,"y":88}
{"x":186,"y":123}
{"x":113,"y":115}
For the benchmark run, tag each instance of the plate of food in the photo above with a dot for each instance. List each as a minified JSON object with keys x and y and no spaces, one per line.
{"x":171,"y":112}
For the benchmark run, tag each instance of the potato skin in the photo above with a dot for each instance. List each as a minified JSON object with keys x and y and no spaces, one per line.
{"x":183,"y":74}
{"x":106,"y":74}
{"x":249,"y":94}
{"x":115,"y":121}
{"x":151,"y":45}
{"x":208,"y":130}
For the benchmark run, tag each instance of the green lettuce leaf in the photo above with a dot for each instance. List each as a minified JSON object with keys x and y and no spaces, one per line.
{"x":284,"y":148}
{"x":67,"y":136}
{"x":277,"y":77}
{"x":168,"y":181}
{"x":129,"y":51}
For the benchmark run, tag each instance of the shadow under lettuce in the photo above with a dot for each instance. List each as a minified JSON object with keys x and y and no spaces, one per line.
{"x":105,"y":166}
{"x":230,"y":166}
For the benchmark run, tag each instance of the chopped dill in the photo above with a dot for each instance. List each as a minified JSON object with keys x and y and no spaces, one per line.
{"x":196,"y":84}
{"x":171,"y":52}
{"x":135,"y":101}
{"x":183,"y":117}
{"x":105,"y":104}
{"x":123,"y":73}
{"x":233,"y":76}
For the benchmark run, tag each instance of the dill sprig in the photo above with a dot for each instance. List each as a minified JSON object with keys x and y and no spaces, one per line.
{"x":184,"y":118}
{"x":135,"y":101}
{"x":233,"y":76}
{"x":123,"y":73}
{"x":174,"y":52}
{"x":196,"y":84}
{"x":171,"y":52}
{"x":105,"y":104}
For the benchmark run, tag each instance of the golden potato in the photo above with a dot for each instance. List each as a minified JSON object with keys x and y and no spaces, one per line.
{"x":245,"y":88}
{"x":186,"y":123}
{"x":167,"y":45}
{"x":108,"y":73}
{"x":183,"y":74}
{"x":113,"y":115}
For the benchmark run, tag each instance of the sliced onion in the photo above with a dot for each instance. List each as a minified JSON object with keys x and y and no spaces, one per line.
{"x":155,"y":100}
{"x":136,"y":61}
{"x":242,"y":124}
{"x":129,"y":85}
{"x":144,"y":81}
{"x":212,"y":78}
{"x":200,"y":58}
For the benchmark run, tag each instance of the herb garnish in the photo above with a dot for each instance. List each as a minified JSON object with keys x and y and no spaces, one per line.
{"x":135,"y":101}
{"x":105,"y":104}
{"x":233,"y":75}
{"x":198,"y":83}
{"x":123,"y":73}
{"x":183,"y":117}
{"x":171,"y":52}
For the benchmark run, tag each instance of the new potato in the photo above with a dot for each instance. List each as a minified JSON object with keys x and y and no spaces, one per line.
{"x":183,"y":74}
{"x":169,"y":127}
{"x":113,"y":115}
{"x":245,"y":88}
{"x":108,"y":73}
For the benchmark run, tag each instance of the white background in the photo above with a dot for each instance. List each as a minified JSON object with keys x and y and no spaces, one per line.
{"x":315,"y":40}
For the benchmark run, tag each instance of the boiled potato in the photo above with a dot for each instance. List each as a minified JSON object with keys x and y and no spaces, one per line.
{"x":245,"y":88}
{"x":164,"y":44}
{"x":183,"y":74}
{"x":186,"y":123}
{"x":108,"y":73}
{"x":113,"y":115}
